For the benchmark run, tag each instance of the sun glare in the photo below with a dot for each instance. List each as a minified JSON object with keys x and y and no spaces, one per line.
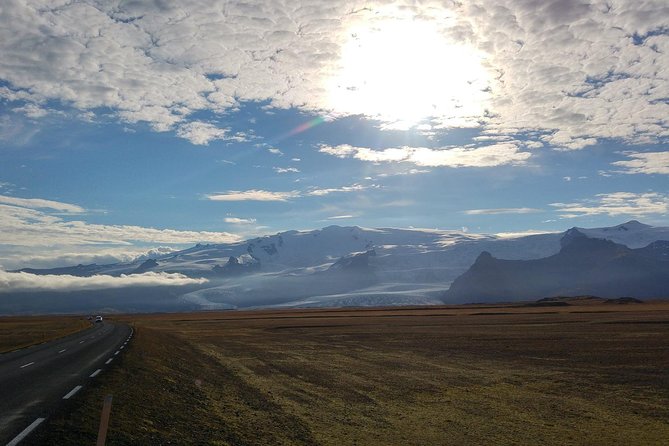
{"x":405,"y":72}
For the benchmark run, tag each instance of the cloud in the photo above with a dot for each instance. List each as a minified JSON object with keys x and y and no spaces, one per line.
{"x":501,"y":211}
{"x":616,"y":204}
{"x":161,"y":63}
{"x":351,"y":188}
{"x":275,"y":151}
{"x":240,"y":221}
{"x":201,"y":133}
{"x":15,"y":257}
{"x":38,"y":203}
{"x":264,"y":195}
{"x":340,"y":217}
{"x":519,"y":234}
{"x":645,"y":163}
{"x":33,"y":223}
{"x":21,"y":281}
{"x":485,"y":156}
{"x":253,"y":195}
{"x":286,"y":170}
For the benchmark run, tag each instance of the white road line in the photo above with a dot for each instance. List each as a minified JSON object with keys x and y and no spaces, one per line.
{"x":109,"y":360}
{"x":72,"y":392}
{"x":26,"y":365}
{"x":81,"y":342}
{"x":117,"y":352}
{"x":26,"y":432}
{"x":95,"y":373}
{"x":122,"y":347}
{"x":61,"y":351}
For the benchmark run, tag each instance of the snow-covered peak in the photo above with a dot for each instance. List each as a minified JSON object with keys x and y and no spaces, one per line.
{"x":632,"y":234}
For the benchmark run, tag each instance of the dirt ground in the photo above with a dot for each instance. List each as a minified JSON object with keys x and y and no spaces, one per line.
{"x":583,"y":373}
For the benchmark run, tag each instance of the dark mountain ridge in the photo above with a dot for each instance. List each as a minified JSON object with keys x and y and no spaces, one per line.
{"x":584,"y":266}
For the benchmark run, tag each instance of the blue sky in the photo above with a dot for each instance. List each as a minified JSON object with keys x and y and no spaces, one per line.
{"x":131,"y":127}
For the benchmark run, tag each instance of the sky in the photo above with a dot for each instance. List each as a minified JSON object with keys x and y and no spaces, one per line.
{"x":134,"y":128}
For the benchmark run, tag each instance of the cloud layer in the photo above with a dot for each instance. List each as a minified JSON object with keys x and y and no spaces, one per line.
{"x":562,"y":72}
{"x":44,"y":232}
{"x":484,"y":156}
{"x":501,"y":211}
{"x":21,"y":281}
{"x":265,"y":195}
{"x":645,"y":163}
{"x":617,"y":204}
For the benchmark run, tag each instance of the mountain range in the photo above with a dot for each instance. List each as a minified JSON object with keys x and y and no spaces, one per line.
{"x":584,"y":266}
{"x":334,"y":266}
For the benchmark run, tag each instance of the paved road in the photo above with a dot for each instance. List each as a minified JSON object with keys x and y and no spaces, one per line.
{"x":35,"y":380}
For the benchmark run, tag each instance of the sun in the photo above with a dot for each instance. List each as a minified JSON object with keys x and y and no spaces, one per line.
{"x":405,"y":72}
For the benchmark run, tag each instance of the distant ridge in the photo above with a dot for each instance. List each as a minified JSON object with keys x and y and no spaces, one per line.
{"x":584,"y":266}
{"x":356,"y":266}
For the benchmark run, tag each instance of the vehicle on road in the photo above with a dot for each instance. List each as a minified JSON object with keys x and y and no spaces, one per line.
{"x":98,"y":319}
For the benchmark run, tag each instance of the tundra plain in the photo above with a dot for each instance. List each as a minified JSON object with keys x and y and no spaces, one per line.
{"x":23,"y":331}
{"x":578,"y":372}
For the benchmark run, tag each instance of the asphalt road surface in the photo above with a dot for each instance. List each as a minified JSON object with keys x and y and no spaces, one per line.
{"x":35,"y":380}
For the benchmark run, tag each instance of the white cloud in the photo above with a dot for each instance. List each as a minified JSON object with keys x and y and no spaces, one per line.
{"x":33,"y":111}
{"x":502,"y":211}
{"x":340,"y":217}
{"x":275,"y":151}
{"x":617,"y":203}
{"x":15,"y":257}
{"x":576,"y":71}
{"x":253,"y":195}
{"x":645,"y":163}
{"x":21,"y":281}
{"x":41,"y":223}
{"x":264,"y":195}
{"x":484,"y":156}
{"x":352,"y":188}
{"x":201,"y":133}
{"x":523,"y":233}
{"x":38,"y":203}
{"x":286,"y":170}
{"x":240,"y":221}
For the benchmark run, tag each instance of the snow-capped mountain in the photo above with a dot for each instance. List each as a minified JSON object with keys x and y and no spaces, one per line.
{"x":632,"y":234}
{"x":295,"y":268}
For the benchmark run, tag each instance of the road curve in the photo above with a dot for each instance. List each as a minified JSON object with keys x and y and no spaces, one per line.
{"x":35,"y":380}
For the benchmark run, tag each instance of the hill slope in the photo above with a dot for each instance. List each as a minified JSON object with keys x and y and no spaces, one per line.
{"x":584,"y":266}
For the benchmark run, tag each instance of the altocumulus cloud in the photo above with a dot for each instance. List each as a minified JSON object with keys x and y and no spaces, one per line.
{"x":22,"y":281}
{"x":161,"y":62}
{"x":645,"y":163}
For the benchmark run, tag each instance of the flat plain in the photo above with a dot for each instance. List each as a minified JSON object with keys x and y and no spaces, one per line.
{"x":20,"y":332}
{"x":583,"y":373}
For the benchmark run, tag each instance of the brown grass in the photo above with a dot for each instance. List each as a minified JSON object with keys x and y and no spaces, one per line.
{"x":586,"y":374}
{"x":20,"y":332}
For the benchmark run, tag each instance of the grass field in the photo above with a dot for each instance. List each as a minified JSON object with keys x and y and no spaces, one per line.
{"x":19,"y":332}
{"x":579,"y":374}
